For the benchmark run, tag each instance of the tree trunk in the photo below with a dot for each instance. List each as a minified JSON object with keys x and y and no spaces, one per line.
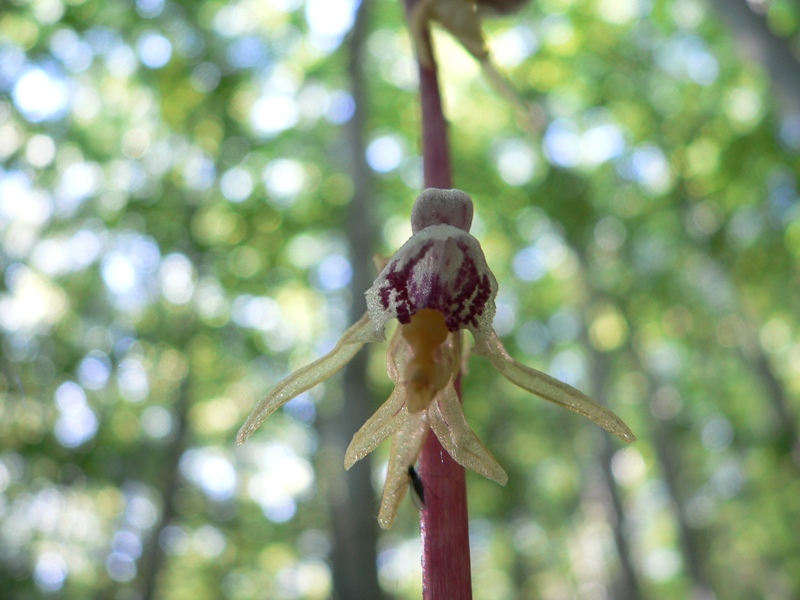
{"x":352,"y":500}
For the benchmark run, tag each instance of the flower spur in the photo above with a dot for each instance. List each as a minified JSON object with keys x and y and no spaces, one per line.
{"x":435,"y":285}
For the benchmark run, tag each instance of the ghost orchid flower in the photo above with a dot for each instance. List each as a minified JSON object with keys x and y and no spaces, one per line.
{"x":435,"y":285}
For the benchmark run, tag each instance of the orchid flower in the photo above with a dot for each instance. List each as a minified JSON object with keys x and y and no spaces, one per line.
{"x":436,"y":285}
{"x":463,"y":20}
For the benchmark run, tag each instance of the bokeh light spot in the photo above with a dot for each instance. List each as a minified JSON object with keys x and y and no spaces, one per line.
{"x":132,"y":380}
{"x":284,"y":179}
{"x":154,"y":50}
{"x":341,"y":107}
{"x":608,"y":329}
{"x":334,"y":272}
{"x":211,"y":471}
{"x":40,"y":95}
{"x":385,"y":153}
{"x":156,"y":422}
{"x":118,"y":273}
{"x":274,"y":113}
{"x":50,"y":572}
{"x":529,"y":264}
{"x":516,"y":162}
{"x":120,"y":567}
{"x":236,"y":184}
{"x":177,"y":279}
{"x":94,"y":370}
{"x":149,"y":9}
{"x":40,"y":150}
{"x":329,"y":20}
{"x":76,"y":423}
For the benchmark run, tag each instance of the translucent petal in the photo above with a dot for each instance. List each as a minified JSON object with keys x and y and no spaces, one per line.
{"x":448,"y":423}
{"x":386,"y":421}
{"x":396,"y":355}
{"x":303,"y":379}
{"x":501,"y":85}
{"x":406,"y":445}
{"x":550,"y":388}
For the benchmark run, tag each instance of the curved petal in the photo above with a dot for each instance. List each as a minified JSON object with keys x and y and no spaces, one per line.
{"x":550,"y":388}
{"x":307,"y":377}
{"x":448,"y":423}
{"x":406,"y":445}
{"x":387,"y":420}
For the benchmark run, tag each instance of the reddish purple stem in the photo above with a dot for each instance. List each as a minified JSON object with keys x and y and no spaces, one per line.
{"x":443,"y":520}
{"x":436,"y":166}
{"x":444,"y":524}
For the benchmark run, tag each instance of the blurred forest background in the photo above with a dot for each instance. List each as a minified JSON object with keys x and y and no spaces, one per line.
{"x":190,"y":196}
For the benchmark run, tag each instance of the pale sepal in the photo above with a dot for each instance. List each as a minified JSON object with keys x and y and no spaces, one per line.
{"x":447,"y":421}
{"x":549,"y":388}
{"x":312,"y":374}
{"x":406,"y":446}
{"x":386,"y":421}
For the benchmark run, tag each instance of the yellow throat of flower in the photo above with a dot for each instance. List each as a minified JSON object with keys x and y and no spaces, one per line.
{"x":424,"y":334}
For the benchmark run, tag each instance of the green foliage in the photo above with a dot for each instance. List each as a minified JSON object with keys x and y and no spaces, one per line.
{"x":173,"y":195}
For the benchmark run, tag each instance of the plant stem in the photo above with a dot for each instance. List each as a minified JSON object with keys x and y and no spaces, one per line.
{"x":436,"y":166}
{"x":444,"y":525}
{"x":443,"y":520}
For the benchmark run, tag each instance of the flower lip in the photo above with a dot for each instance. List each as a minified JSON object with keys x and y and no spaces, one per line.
{"x":442,"y":268}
